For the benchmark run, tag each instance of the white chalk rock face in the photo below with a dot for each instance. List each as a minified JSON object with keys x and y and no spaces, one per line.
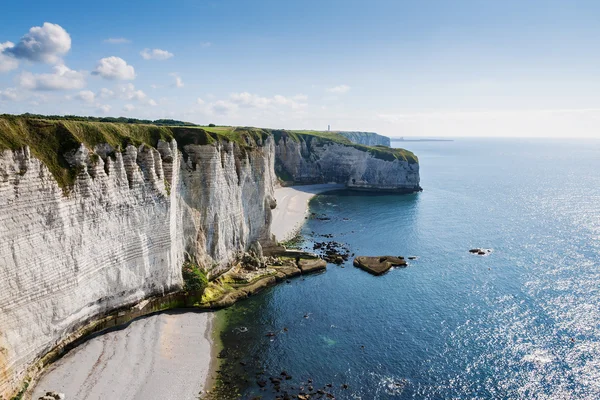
{"x":121,"y":235}
{"x":310,"y":163}
{"x":366,"y":138}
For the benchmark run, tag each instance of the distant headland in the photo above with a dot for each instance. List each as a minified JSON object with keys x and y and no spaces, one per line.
{"x":402,"y":139}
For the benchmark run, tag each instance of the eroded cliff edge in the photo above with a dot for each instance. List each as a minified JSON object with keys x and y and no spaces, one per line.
{"x":366,"y":138}
{"x":98,"y":216}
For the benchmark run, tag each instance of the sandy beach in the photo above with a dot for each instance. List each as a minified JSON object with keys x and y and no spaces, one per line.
{"x":292,"y":205}
{"x":164,"y":356}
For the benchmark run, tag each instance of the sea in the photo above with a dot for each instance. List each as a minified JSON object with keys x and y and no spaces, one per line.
{"x":521,"y":322}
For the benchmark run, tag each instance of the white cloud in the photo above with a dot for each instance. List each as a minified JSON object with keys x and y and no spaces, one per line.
{"x":178,"y":81}
{"x":128,"y":107}
{"x":9,"y":94}
{"x":200,"y":101}
{"x":47,"y":43}
{"x":245,"y":99}
{"x":155,"y":54}
{"x":153,"y":86}
{"x":290,"y":102}
{"x":104,"y":108}
{"x":120,"y":40}
{"x":128,"y":92}
{"x":340,"y":89}
{"x":249,"y":100}
{"x":86,"y":96}
{"x":114,"y":68}
{"x":205,"y":44}
{"x":106,"y":93}
{"x":63,"y":78}
{"x":7,"y":63}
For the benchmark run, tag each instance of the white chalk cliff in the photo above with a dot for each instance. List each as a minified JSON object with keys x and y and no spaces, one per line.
{"x":311,"y":160}
{"x":122,"y":232}
{"x":119,"y":237}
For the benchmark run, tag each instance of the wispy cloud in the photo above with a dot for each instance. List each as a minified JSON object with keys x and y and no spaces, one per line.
{"x":7,"y":62}
{"x":87,"y":96}
{"x":120,"y":40}
{"x":156,"y":54}
{"x":62,"y":78}
{"x":340,"y":89}
{"x":9,"y":94}
{"x":205,"y":44}
{"x":249,"y":100}
{"x":178,"y":81}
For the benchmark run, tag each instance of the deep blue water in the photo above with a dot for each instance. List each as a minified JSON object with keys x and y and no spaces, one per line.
{"x":521,"y":323}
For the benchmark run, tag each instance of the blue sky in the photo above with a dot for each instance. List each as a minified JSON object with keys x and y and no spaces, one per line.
{"x":432,"y":68}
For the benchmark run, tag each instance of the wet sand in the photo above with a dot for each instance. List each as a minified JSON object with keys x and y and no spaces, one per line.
{"x":292,"y":205}
{"x":164,"y":356}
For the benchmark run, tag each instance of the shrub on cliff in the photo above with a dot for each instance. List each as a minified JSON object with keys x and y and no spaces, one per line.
{"x":194,"y":278}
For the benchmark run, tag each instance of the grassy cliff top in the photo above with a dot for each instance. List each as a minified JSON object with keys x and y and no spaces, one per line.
{"x":320,"y":137}
{"x":49,"y":139}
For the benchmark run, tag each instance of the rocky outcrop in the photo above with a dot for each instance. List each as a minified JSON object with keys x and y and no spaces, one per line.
{"x":304,"y":159}
{"x":378,"y":265}
{"x":120,"y":236}
{"x":366,"y":138}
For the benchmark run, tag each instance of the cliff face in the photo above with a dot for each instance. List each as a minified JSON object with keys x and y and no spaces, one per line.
{"x":303,"y":159}
{"x":120,"y":235}
{"x":367,"y":138}
{"x":97,"y":216}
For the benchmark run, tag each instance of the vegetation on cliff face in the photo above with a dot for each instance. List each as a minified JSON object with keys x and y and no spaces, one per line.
{"x":194,"y":279}
{"x":120,"y":120}
{"x":50,"y":138}
{"x":321,"y":138}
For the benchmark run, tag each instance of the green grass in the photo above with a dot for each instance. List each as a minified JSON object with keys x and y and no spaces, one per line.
{"x":19,"y":396}
{"x":194,"y":278}
{"x":319,"y":138}
{"x":49,"y":139}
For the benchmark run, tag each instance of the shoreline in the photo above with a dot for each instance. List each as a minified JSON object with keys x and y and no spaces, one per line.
{"x":292,"y":207}
{"x":288,"y":219}
{"x":171,"y":346}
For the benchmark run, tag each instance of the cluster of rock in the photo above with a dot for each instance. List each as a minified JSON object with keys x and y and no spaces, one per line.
{"x":304,"y":391}
{"x":480,"y":252}
{"x":246,"y":279}
{"x":52,"y":396}
{"x":379,"y":265}
{"x":333,"y":252}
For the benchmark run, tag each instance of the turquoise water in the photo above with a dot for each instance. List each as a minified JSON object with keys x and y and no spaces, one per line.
{"x":521,"y":323}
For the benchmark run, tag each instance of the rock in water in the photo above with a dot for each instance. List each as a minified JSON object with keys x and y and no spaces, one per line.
{"x":378,"y":265}
{"x":311,"y":265}
{"x":480,"y":252}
